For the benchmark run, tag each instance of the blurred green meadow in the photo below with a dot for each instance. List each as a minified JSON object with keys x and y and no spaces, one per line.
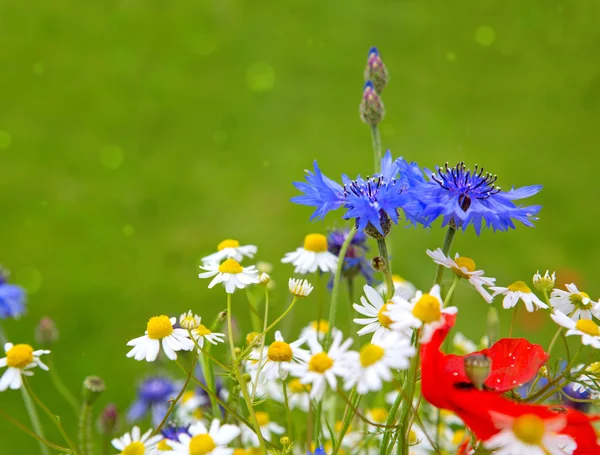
{"x":135,"y":136}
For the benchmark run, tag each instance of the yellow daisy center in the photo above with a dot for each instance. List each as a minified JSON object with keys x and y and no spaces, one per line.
{"x":338,"y":426}
{"x":202,"y":444}
{"x":19,"y":356}
{"x":458,"y":437}
{"x":279,"y":351}
{"x":228,"y":243}
{"x":320,"y":363}
{"x":162,"y":445}
{"x":315,"y":242}
{"x":262,"y":418}
{"x":379,"y":415}
{"x":383,"y":318}
{"x":321,"y":326}
{"x":231,"y":266}
{"x":412,"y":437}
{"x":240,"y":451}
{"x":464,"y":262}
{"x":251,"y":337}
{"x":398,"y":279}
{"x":588,"y":327}
{"x":427,"y":309}
{"x":202,"y":331}
{"x":594,"y":368}
{"x":370,"y":354}
{"x":297,"y":387}
{"x":159,"y":327}
{"x":577,"y":299}
{"x":188,"y":395}
{"x":529,"y":428}
{"x":519,"y":286}
{"x":135,"y":448}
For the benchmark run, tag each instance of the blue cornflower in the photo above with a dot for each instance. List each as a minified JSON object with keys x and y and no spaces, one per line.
{"x":577,"y":392}
{"x":172,"y":432}
{"x":12,"y":299}
{"x":318,"y":451}
{"x":464,"y":197}
{"x":355,"y":262}
{"x":372,"y":202}
{"x":153,"y":396}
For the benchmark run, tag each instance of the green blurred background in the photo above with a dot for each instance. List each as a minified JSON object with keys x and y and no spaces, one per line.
{"x":134,"y":136}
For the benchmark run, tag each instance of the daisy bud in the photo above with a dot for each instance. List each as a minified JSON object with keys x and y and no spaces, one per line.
{"x":378,"y":264}
{"x":493,"y":325}
{"x":46,"y":332}
{"x":371,"y":107}
{"x":300,"y":288}
{"x":376,"y":70}
{"x":189,"y":320}
{"x":108,"y":420}
{"x":246,"y":377}
{"x":93,"y":386}
{"x":222,"y":317}
{"x":544,"y":283}
{"x":285,"y":441}
{"x":478,"y":368}
{"x":251,"y":337}
{"x":237,"y":351}
{"x":264,"y":278}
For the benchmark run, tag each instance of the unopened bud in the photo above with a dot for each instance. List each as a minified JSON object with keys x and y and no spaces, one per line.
{"x":493,"y":325}
{"x":378,"y":264}
{"x":285,"y":441}
{"x":108,"y":420}
{"x":222,"y":316}
{"x":93,"y":386}
{"x":46,"y":332}
{"x":544,"y":283}
{"x":246,"y":377}
{"x":376,"y":70}
{"x":264,"y":278}
{"x":371,"y":107}
{"x":478,"y":368}
{"x":237,"y":351}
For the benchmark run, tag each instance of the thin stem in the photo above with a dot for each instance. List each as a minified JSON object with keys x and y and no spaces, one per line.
{"x":513,"y":321}
{"x":407,"y":406}
{"x":35,"y":420}
{"x":60,"y":385}
{"x":262,"y":341}
{"x":321,"y":307}
{"x":239,"y":377}
{"x":347,"y":418}
{"x":335,"y":292}
{"x":451,"y":290}
{"x":554,"y":339}
{"x":376,"y":143}
{"x":41,"y":440}
{"x":84,"y":429}
{"x":387,"y":271}
{"x":254,"y":316}
{"x":390,"y":420}
{"x":288,"y":411}
{"x":445,"y":249}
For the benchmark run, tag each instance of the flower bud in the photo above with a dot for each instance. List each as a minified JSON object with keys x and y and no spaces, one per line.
{"x":189,"y":320}
{"x":222,"y":316}
{"x":544,"y":283}
{"x":251,"y":336}
{"x":264,"y":278}
{"x":493,"y":325}
{"x":46,"y":332}
{"x":378,"y":263}
{"x":108,"y":420}
{"x":285,"y":441}
{"x":376,"y":70}
{"x":371,"y":107}
{"x":93,"y":386}
{"x":478,"y":368}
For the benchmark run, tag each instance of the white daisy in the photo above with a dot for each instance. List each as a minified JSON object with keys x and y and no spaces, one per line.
{"x":402,"y":288}
{"x":463,"y":345}
{"x":299,"y":287}
{"x":373,"y":365}
{"x":464,"y":267}
{"x":589,"y":379}
{"x":206,"y":441}
{"x":230,"y":249}
{"x":318,"y":329}
{"x":137,"y":443}
{"x":378,"y":416}
{"x":20,"y":358}
{"x":279,"y":356}
{"x":574,"y":303}
{"x":544,"y":283}
{"x":189,"y":320}
{"x":314,"y":255}
{"x":424,"y":312}
{"x":298,"y":393}
{"x":267,"y":429}
{"x":518,"y":291}
{"x":202,"y":333}
{"x":418,"y":442}
{"x":586,"y":328}
{"x":322,"y":367}
{"x":189,"y":407}
{"x":159,"y":331}
{"x":375,"y":308}
{"x":529,"y":434}
{"x":231,"y":273}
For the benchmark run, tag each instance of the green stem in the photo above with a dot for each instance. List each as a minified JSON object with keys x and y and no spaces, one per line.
{"x":513,"y":321}
{"x":407,"y":405}
{"x":254,"y":316}
{"x":390,"y":421}
{"x":239,"y":377}
{"x":376,"y":143}
{"x":387,"y":271}
{"x":60,"y":385}
{"x":41,"y":440}
{"x":84,"y":429}
{"x":35,"y":420}
{"x":335,"y":292}
{"x":451,"y":290}
{"x":445,"y":249}
{"x":262,"y":342}
{"x":554,"y":339}
{"x":288,"y":411}
{"x":321,"y":307}
{"x":347,"y":418}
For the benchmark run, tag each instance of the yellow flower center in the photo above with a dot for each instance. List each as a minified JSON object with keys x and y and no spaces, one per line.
{"x":135,"y":448}
{"x":338,"y":426}
{"x":529,"y":428}
{"x":588,"y":327}
{"x":315,"y":242}
{"x":594,"y":368}
{"x":398,"y":279}
{"x":231,"y":266}
{"x":320,"y":363}
{"x":427,"y":309}
{"x":577,"y":299}
{"x":412,"y":437}
{"x":519,"y":286}
{"x":159,"y":327}
{"x":297,"y":387}
{"x":162,"y":445}
{"x":240,"y":451}
{"x":19,"y":356}
{"x":262,"y":418}
{"x":383,"y":318}
{"x":202,"y":331}
{"x":279,"y":351}
{"x":251,"y":337}
{"x":321,"y":326}
{"x":467,"y":263}
{"x":370,"y":354}
{"x":201,"y":444}
{"x":228,"y":243}
{"x":379,"y":415}
{"x":187,"y":396}
{"x":458,"y":437}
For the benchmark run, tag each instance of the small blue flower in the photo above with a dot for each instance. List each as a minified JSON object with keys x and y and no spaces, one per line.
{"x":580,"y":394}
{"x":172,"y":432}
{"x":466,"y":197}
{"x":371,"y":202}
{"x":153,"y":396}
{"x":355,"y":261}
{"x":318,"y":451}
{"x":12,"y":299}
